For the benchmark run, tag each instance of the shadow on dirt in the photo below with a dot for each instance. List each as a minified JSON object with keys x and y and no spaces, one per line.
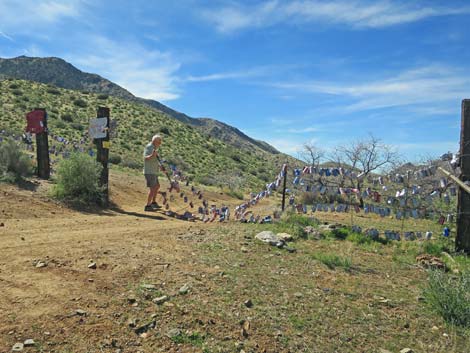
{"x":27,"y":184}
{"x":137,"y":214}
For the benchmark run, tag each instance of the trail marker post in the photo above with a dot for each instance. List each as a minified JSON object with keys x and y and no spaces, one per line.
{"x":284,"y":171}
{"x":42,"y":150}
{"x":102,"y":155}
{"x":37,"y":124}
{"x":462,"y":241}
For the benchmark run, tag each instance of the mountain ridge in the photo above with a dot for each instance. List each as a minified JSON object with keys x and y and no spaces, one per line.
{"x":58,"y":72}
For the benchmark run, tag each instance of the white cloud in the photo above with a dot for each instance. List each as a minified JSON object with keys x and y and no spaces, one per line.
{"x":433,"y":85}
{"x":4,"y":35}
{"x":233,"y":75}
{"x":145,"y":73}
{"x":284,"y":145}
{"x":355,"y":14}
{"x":26,"y":15}
{"x":302,"y":130}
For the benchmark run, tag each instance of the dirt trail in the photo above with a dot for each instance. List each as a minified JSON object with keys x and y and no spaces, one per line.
{"x":126,"y":243}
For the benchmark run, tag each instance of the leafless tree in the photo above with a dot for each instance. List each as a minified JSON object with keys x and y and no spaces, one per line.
{"x":311,"y":154}
{"x":365,"y":157}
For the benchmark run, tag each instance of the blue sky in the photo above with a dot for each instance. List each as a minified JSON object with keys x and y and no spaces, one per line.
{"x":286,"y":72}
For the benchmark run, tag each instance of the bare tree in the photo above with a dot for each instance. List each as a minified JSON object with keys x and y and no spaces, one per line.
{"x":311,"y":154}
{"x":365,"y":157}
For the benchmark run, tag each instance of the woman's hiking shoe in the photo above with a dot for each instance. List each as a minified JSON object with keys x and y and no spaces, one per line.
{"x":155,"y":205}
{"x":149,"y":208}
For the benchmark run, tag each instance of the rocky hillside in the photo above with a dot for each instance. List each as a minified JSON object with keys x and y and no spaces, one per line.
{"x":207,"y":160}
{"x":57,"y":72}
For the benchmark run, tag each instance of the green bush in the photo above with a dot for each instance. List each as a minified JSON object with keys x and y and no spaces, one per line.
{"x":80,"y":103}
{"x":235,"y":194}
{"x":103,"y":96}
{"x":53,"y":91}
{"x":66,"y":117}
{"x":449,"y":296}
{"x":14,"y":163}
{"x":359,"y":238}
{"x":115,"y":159}
{"x":164,"y":130}
{"x":77,"y":180}
{"x":60,"y":124}
{"x":436,"y":247}
{"x":332,"y":261}
{"x":294,"y":224}
{"x":128,"y":163}
{"x":77,"y":126}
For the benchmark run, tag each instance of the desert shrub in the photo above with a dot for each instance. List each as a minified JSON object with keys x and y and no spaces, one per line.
{"x":77,"y":180}
{"x":294,"y":224}
{"x":207,"y":180}
{"x":436,"y":248}
{"x":235,"y":194}
{"x":332,"y":260}
{"x":67,"y":117}
{"x":14,"y":86}
{"x":60,"y":124}
{"x":80,"y":103}
{"x":129,"y":163}
{"x":14,"y":163}
{"x":236,"y":157}
{"x":17,"y":92}
{"x":77,"y":126}
{"x":307,"y":198}
{"x":164,"y":130}
{"x":359,"y":238}
{"x":449,"y":296}
{"x":115,"y":159}
{"x":103,"y":96}
{"x":54,"y":91}
{"x":340,"y":233}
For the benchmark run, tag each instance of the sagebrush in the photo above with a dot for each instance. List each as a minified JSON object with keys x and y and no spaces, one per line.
{"x":15,"y":164}
{"x":77,"y":180}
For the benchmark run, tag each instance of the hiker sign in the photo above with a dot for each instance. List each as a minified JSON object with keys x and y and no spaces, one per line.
{"x":98,"y":129}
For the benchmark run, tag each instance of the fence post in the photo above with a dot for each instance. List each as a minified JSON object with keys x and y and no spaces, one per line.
{"x":102,"y":155}
{"x":42,"y":150}
{"x":462,"y":241}
{"x":284,"y":170}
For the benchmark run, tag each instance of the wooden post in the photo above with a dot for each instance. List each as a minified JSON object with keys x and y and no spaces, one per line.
{"x":284,"y":170}
{"x":42,"y":150}
{"x":462,"y":241}
{"x":102,"y":155}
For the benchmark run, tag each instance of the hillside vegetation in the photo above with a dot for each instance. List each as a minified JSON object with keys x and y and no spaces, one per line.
{"x":205,"y":159}
{"x":58,"y":72}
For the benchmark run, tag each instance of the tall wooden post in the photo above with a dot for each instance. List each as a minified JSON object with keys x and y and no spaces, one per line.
{"x":102,"y":155}
{"x":42,"y":150}
{"x":284,"y":170}
{"x":462,"y":241}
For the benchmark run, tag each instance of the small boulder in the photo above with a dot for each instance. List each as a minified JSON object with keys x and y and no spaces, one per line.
{"x":267,"y":237}
{"x":285,"y":236}
{"x":173,"y":333}
{"x":92,"y":266}
{"x":29,"y":342}
{"x":18,"y":347}
{"x":160,"y":300}
{"x":184,"y":289}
